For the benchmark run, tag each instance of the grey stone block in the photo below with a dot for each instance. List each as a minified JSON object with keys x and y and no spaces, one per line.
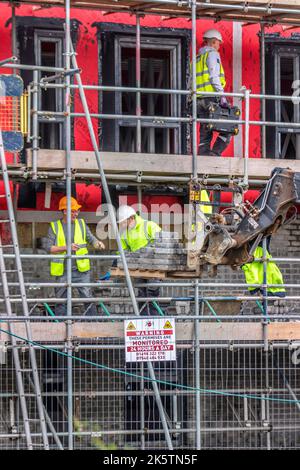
{"x":164,"y":234}
{"x":169,"y":244}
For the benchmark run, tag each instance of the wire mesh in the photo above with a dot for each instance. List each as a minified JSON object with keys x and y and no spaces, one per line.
{"x":113,"y":411}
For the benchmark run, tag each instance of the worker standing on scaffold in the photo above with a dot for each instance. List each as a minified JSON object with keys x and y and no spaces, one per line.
{"x":210,"y":76}
{"x":136,"y":233}
{"x":80,"y":236}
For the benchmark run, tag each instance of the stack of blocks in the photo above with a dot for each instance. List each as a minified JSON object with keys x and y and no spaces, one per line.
{"x":165,"y":253}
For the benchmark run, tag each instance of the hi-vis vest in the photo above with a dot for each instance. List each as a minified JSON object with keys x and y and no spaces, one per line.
{"x":139,"y":236}
{"x":203,"y":82}
{"x":254,"y":273}
{"x":57,"y":264}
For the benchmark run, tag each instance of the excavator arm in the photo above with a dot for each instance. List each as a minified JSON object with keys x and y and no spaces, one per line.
{"x":231,"y":237}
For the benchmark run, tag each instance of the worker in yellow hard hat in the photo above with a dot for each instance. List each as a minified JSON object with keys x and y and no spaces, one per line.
{"x":81,"y":236}
{"x":63,"y":204}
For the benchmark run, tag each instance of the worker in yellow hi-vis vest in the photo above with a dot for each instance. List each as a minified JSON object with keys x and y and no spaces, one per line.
{"x":254,"y":274}
{"x":81,"y":236}
{"x":136,"y":233}
{"x":210,"y":76}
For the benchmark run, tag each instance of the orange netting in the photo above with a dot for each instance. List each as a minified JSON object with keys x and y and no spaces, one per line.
{"x":10,"y":113}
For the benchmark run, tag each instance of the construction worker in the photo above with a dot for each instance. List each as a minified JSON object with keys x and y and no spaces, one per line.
{"x":254,"y":274}
{"x":80,"y":236}
{"x":210,"y":76}
{"x":136,"y":233}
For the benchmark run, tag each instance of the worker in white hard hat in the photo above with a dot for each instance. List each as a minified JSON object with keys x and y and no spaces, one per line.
{"x":136,"y":233}
{"x":210,"y":76}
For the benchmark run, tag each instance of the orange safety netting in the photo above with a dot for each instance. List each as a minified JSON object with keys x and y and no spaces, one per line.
{"x":10,"y":113}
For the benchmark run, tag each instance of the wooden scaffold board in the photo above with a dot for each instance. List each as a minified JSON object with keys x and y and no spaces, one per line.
{"x":211,"y":332}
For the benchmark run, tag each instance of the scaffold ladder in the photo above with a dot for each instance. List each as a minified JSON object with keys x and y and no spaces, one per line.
{"x":31,"y":373}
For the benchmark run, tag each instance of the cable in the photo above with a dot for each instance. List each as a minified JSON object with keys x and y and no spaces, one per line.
{"x":163,"y":382}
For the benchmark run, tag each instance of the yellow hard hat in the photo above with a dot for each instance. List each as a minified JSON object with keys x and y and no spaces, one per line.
{"x":63,"y":204}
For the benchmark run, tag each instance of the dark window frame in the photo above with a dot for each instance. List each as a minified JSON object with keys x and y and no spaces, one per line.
{"x":278,"y":48}
{"x":173,"y":46}
{"x":57,"y":37}
{"x":28,"y":29}
{"x":25,"y":32}
{"x":109,"y":35}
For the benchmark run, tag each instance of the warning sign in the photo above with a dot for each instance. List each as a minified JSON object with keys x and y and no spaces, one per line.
{"x":130,"y":326}
{"x":147,"y":339}
{"x":167,"y":325}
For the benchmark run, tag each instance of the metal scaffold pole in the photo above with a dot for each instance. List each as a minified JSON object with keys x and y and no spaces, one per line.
{"x":138,"y":84}
{"x":194,"y":90}
{"x":113,"y":221}
{"x":197,"y":366}
{"x":139,"y":189}
{"x":263,"y":88}
{"x":266,"y":404}
{"x":35,"y":124}
{"x":246,"y":138}
{"x":69,"y":221}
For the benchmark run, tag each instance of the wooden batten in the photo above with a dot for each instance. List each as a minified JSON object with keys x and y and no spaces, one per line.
{"x":160,"y":164}
{"x":211,"y":332}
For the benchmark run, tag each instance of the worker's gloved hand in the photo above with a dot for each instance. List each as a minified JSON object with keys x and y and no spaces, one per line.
{"x":98,"y":245}
{"x":105,"y":277}
{"x":223,"y":102}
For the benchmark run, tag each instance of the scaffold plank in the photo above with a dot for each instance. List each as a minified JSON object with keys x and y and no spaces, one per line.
{"x":139,"y":273}
{"x":151,"y":274}
{"x":288,"y":330}
{"x":208,"y":331}
{"x":160,"y":164}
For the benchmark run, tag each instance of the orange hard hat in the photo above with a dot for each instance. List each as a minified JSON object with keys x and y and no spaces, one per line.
{"x":63,"y":204}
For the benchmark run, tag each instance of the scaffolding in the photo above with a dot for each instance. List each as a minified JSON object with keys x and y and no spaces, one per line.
{"x":234,"y":383}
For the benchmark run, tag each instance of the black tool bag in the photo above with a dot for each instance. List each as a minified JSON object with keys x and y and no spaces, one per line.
{"x":215,"y":112}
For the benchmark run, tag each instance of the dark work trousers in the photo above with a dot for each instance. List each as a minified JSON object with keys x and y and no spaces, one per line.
{"x":147,"y":308}
{"x":84,"y":292}
{"x":206,"y":135}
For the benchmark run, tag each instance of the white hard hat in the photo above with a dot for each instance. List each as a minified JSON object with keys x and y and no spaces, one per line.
{"x":124,"y":212}
{"x":213,"y":34}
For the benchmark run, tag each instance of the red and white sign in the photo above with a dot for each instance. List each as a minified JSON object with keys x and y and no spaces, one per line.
{"x":150,"y":340}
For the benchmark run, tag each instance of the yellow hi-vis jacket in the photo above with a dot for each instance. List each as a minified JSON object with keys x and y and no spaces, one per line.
{"x":254,"y":273}
{"x":57,"y":264}
{"x":139,"y":236}
{"x":203,"y":81}
{"x":206,"y":209}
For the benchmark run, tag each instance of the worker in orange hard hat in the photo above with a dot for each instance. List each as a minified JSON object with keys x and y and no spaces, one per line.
{"x":81,"y":236}
{"x":63,"y":204}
